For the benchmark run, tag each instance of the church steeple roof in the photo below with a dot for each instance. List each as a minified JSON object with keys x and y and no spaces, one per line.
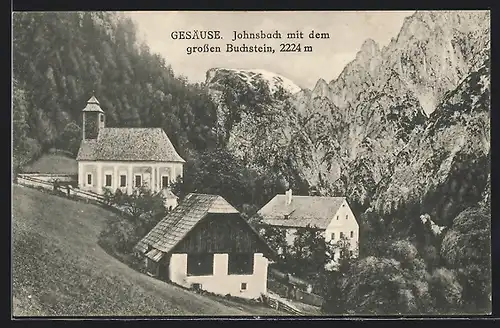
{"x":93,"y":105}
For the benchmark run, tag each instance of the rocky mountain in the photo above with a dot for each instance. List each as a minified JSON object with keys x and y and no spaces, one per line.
{"x":431,"y":54}
{"x":252,"y":76}
{"x":446,"y":167}
{"x":240,"y":93}
{"x":350,"y":136}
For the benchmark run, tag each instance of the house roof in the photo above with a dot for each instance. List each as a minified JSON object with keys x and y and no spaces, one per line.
{"x":302,"y":211}
{"x":180,"y":221}
{"x":129,"y":144}
{"x":93,"y":105}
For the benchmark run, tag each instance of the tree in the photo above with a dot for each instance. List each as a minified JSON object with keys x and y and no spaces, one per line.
{"x":218,"y":172}
{"x":141,"y":203}
{"x":70,"y":138}
{"x":445,"y":291}
{"x":466,"y":248}
{"x":143,"y":211}
{"x":276,"y":239}
{"x":340,"y":257}
{"x":307,"y":254}
{"x":377,"y":285}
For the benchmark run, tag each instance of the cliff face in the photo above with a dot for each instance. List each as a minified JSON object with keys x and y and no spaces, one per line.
{"x":390,"y":107}
{"x":446,"y":167}
{"x":431,"y":54}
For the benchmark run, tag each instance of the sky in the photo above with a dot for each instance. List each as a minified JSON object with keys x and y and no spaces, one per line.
{"x":347,"y":31}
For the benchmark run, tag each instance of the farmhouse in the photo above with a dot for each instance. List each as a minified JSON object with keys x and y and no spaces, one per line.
{"x":331,"y":215}
{"x":124,"y":158}
{"x":204,"y":243}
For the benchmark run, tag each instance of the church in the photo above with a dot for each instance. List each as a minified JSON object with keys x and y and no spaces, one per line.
{"x":124,"y":158}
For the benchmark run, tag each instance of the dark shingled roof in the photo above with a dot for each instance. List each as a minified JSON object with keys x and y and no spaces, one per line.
{"x":303,"y":210}
{"x":129,"y":144}
{"x":180,"y":221}
{"x":93,"y":105}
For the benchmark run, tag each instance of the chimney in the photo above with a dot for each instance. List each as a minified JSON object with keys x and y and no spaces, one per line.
{"x":288,"y":194}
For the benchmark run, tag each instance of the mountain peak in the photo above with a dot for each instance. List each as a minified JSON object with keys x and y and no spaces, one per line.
{"x":321,"y":89}
{"x":370,"y":47}
{"x":369,"y":50}
{"x":250,"y":76}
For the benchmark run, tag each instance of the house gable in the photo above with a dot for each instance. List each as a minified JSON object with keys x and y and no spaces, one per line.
{"x":217,"y":233}
{"x":343,"y":222}
{"x":343,"y":217}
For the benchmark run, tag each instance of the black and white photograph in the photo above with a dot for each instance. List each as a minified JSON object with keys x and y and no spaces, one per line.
{"x":251,"y":164}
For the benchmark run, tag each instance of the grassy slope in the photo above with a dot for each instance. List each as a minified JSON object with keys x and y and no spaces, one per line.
{"x":53,"y":163}
{"x":58,"y":268}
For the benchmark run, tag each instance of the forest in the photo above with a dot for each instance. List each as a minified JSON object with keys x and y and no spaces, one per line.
{"x":61,"y":59}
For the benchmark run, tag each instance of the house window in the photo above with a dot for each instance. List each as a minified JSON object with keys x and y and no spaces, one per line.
{"x":200,"y":264}
{"x":108,"y":180}
{"x":337,"y":217}
{"x":89,"y":179}
{"x":241,"y":263}
{"x":243,"y":286}
{"x":352,"y":234}
{"x":138,"y":181}
{"x":123,"y":180}
{"x":101,"y":117}
{"x":341,"y":235}
{"x":164,"y":181}
{"x":347,"y":217}
{"x":333,"y":236}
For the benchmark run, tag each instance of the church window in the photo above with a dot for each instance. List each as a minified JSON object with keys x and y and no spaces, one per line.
{"x":138,"y":181}
{"x":108,"y":180}
{"x":123,"y":180}
{"x":164,"y":181}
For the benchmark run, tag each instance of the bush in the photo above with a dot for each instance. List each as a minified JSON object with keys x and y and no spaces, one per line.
{"x":143,"y":210}
{"x":119,"y":236}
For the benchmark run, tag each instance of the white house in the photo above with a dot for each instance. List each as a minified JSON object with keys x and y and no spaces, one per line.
{"x":204,"y":243}
{"x":331,"y":215}
{"x":124,"y":158}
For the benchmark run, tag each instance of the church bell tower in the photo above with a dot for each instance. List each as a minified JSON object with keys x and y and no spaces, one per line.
{"x":93,"y":119}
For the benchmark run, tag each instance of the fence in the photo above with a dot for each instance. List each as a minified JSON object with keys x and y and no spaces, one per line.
{"x":50,"y":177}
{"x":293,"y":293}
{"x":278,"y":275}
{"x":278,"y":304}
{"x":75,"y":193}
{"x":32,"y":181}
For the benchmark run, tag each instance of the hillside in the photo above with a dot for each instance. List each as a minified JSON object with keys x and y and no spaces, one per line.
{"x":53,"y":163}
{"x":59,"y":270}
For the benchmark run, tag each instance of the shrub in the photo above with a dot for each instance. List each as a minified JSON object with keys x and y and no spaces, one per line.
{"x":142,"y":211}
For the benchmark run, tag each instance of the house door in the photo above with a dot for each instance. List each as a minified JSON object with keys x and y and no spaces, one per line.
{"x":163,"y":273}
{"x":147,"y":180}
